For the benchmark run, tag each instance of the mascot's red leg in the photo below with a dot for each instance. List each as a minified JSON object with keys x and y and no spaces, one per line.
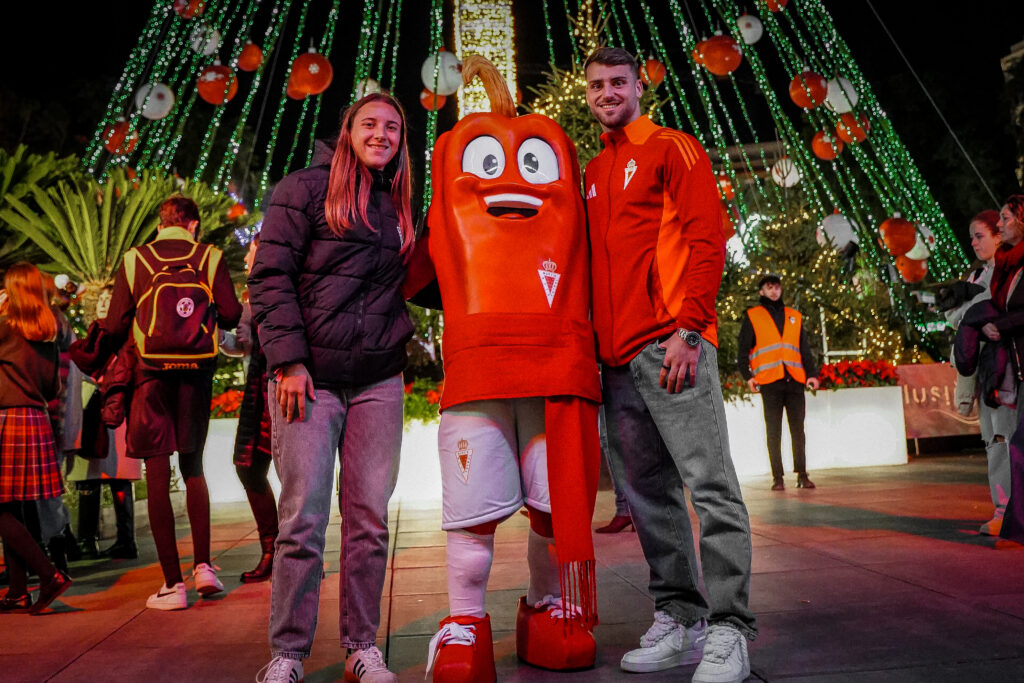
{"x":546,"y":635}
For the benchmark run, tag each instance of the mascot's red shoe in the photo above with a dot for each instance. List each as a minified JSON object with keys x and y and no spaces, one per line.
{"x":463,"y":651}
{"x":547,"y":638}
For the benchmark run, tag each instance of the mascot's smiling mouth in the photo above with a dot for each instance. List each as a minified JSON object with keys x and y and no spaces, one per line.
{"x":512,"y":205}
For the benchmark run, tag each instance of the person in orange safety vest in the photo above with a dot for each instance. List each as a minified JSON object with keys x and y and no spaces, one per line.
{"x":774,"y":358}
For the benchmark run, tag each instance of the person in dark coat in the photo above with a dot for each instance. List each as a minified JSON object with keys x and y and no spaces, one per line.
{"x":252,"y":454}
{"x":326,"y":298}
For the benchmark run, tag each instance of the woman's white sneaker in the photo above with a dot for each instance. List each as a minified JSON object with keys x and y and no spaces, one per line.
{"x":175,"y":597}
{"x":666,"y":644}
{"x":725,"y":657}
{"x":367,"y":666}
{"x":281,"y":670}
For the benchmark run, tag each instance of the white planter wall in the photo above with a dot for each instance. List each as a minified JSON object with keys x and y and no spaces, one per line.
{"x":846,"y":428}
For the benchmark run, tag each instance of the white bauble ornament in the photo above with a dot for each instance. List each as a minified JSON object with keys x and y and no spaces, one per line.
{"x":837,"y":230}
{"x":785,"y":172}
{"x":841,"y":96}
{"x":449,"y":73}
{"x":365,"y":87}
{"x":923,"y":245}
{"x":750,"y":28}
{"x":204,"y":39}
{"x":154,"y":100}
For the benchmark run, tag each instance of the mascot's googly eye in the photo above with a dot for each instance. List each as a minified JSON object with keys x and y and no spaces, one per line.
{"x":484,"y":157}
{"x":537,"y":162}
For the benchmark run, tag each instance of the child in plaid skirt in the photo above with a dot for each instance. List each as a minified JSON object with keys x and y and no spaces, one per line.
{"x":28,"y":460}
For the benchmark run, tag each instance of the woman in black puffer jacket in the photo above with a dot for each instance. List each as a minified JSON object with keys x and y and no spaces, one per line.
{"x":325,"y":292}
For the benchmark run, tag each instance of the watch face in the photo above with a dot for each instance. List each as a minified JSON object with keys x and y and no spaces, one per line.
{"x":691,"y":338}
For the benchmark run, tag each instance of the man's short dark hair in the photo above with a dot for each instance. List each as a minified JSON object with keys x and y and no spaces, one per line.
{"x":770,"y":279}
{"x":178,"y":210}
{"x":612,"y":56}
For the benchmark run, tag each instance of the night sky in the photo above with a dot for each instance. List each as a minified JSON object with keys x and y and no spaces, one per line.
{"x":53,"y":62}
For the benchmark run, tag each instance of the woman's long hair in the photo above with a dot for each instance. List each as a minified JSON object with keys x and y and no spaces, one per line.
{"x":350,"y":183}
{"x":27,"y":307}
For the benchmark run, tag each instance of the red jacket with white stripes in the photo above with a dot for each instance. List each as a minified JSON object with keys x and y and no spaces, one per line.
{"x":657,"y":247}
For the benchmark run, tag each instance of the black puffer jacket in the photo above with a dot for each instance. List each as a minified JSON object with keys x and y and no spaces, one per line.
{"x":333,"y":304}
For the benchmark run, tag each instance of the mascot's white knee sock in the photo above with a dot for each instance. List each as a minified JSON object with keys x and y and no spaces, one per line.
{"x":469,"y":565}
{"x":540,"y":554}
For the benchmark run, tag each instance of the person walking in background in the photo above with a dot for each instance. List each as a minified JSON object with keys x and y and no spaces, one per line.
{"x":1008,"y":327}
{"x":775,"y":359}
{"x":996,"y":411}
{"x":112,"y":465}
{"x":65,"y":414}
{"x":326,"y":299}
{"x":654,"y":211}
{"x":622,"y":521}
{"x":252,"y":454}
{"x":173,"y":380}
{"x":29,"y":378}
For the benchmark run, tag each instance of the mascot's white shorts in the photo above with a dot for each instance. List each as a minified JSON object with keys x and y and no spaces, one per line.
{"x":493,"y":460}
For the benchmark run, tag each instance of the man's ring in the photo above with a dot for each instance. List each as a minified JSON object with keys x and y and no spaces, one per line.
{"x":666,"y":367}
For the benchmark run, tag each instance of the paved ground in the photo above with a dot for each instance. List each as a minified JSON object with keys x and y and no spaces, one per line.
{"x":878,"y":575}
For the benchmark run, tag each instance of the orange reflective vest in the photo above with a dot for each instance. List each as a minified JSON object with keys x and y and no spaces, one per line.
{"x":773,"y":353}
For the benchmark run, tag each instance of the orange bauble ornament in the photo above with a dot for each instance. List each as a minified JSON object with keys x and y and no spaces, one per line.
{"x":237,"y":210}
{"x":775,"y":5}
{"x":898,"y":234}
{"x":808,"y":89}
{"x":294,"y":92}
{"x":250,"y":57}
{"x":911,"y":270}
{"x":725,"y":187}
{"x":217,"y":84}
{"x":720,"y":54}
{"x":189,"y":9}
{"x":652,"y":73}
{"x":311,"y":73}
{"x":431,"y":101}
{"x":119,"y":138}
{"x":826,"y":146}
{"x":852,"y":129}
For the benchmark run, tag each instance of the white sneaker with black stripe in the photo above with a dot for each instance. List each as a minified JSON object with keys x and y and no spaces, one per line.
{"x":281,"y":670}
{"x":367,"y":666}
{"x":169,"y":598}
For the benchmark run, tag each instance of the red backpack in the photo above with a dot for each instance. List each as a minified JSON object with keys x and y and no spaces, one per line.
{"x":175,"y":325}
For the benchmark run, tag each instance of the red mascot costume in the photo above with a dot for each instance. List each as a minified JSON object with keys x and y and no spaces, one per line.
{"x":508,"y":246}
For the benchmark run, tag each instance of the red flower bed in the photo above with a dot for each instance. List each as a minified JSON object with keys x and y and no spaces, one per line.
{"x":226,"y":404}
{"x":848,"y":374}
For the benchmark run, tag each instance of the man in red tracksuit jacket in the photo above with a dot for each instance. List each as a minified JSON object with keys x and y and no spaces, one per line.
{"x":657,"y":254}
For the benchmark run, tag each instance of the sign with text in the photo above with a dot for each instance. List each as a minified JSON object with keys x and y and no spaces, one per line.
{"x":929,"y":402}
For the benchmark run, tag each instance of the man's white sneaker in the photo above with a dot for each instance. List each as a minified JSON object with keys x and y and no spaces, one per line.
{"x":367,"y":666}
{"x":666,"y":644}
{"x":725,"y":656}
{"x":281,"y":670}
{"x":171,"y":598}
{"x":206,"y":579}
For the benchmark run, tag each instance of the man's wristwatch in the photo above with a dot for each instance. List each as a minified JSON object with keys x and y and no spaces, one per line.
{"x":691,"y":338}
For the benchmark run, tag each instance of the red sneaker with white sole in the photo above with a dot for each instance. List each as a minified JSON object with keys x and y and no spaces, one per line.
{"x":463,"y":651}
{"x":548,"y":638}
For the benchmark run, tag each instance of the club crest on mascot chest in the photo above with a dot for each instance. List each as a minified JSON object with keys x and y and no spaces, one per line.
{"x":507,"y":212}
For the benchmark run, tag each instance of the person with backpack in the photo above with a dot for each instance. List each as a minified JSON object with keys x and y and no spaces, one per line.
{"x":170,"y":298}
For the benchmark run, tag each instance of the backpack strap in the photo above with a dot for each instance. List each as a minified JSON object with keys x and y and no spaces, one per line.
{"x":210,"y":260}
{"x":131,"y":258}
